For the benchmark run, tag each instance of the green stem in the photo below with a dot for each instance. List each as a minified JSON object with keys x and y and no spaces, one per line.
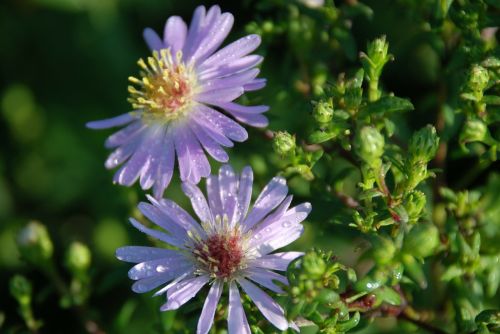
{"x":373,"y":92}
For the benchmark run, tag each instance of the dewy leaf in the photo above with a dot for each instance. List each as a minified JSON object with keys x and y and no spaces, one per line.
{"x":387,"y":104}
{"x":451,"y":272}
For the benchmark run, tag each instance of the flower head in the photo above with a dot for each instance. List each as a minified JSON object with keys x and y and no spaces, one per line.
{"x":232,"y":245}
{"x":180,"y":100}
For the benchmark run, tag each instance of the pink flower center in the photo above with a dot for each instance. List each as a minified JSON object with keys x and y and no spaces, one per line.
{"x":165,"y":87}
{"x":222,"y":255}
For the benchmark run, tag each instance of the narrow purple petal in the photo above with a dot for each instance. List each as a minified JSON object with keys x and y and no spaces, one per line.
{"x":136,"y":254}
{"x":277,"y":261}
{"x":127,"y":134}
{"x":244,"y":192}
{"x":149,"y":173}
{"x":255,"y":84}
{"x":183,"y":157}
{"x":111,"y":122}
{"x":177,"y":214}
{"x":230,"y":128}
{"x":159,"y":217}
{"x":270,"y":197}
{"x":121,"y":154}
{"x":174,"y":34}
{"x":266,"y":278}
{"x":227,"y":184}
{"x":214,"y":37}
{"x":275,"y":215}
{"x":236,"y":319}
{"x":198,"y":158}
{"x":255,"y":120}
{"x":165,"y":166}
{"x":207,"y":314}
{"x":271,"y":310}
{"x":157,"y":234}
{"x":198,"y":201}
{"x":179,"y":295}
{"x":213,"y":132}
{"x":237,"y":80}
{"x":210,"y":145}
{"x":150,"y":283}
{"x":152,"y":39}
{"x":219,"y":95}
{"x":235,"y":50}
{"x":231,"y":106}
{"x":234,"y":67}
{"x":155,"y":267}
{"x":195,"y":31}
{"x":284,"y":237}
{"x":213,"y":195}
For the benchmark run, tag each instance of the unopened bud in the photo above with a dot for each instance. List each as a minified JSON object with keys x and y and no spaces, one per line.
{"x":323,"y":112}
{"x":78,"y":257}
{"x":314,"y":265}
{"x":383,"y":250}
{"x":369,"y":144}
{"x":474,"y":130}
{"x":20,"y":288}
{"x":415,"y":205}
{"x":375,"y":59}
{"x":35,"y":244}
{"x":283,"y":142}
{"x":478,"y":79}
{"x":423,"y":144}
{"x":422,"y":240}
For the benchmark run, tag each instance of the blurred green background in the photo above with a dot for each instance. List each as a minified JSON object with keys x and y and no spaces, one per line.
{"x":66,"y":62}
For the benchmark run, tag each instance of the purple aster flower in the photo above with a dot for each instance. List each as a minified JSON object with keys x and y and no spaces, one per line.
{"x":232,"y":245}
{"x":179,"y":99}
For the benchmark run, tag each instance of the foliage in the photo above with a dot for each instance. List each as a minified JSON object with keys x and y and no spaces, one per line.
{"x":394,"y":144}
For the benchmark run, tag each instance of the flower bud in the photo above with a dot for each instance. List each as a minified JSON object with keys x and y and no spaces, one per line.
{"x":78,"y":258}
{"x":369,"y":145}
{"x":474,"y":130}
{"x":283,"y":142}
{"x":20,"y":288}
{"x":423,"y":144}
{"x":313,"y":265}
{"x":377,"y":50}
{"x":415,"y":205}
{"x":422,"y":240}
{"x":323,"y":112}
{"x":478,"y":79}
{"x":35,"y":244}
{"x":383,"y":250}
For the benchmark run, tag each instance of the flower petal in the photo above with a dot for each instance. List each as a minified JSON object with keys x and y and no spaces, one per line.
{"x":214,"y":37}
{"x":210,"y":145}
{"x":219,"y":95}
{"x":136,"y":254}
{"x":266,"y":278}
{"x":152,"y":39}
{"x":226,"y":69}
{"x":227,"y":184}
{"x":157,"y":234}
{"x":228,"y":127}
{"x":170,"y":264}
{"x":207,"y":314}
{"x":271,"y":310}
{"x":174,"y":34}
{"x":235,"y":50}
{"x":111,"y":122}
{"x":213,"y":195}
{"x":198,"y":201}
{"x":236,"y":319}
{"x":165,"y":166}
{"x":270,"y":197}
{"x":179,"y":294}
{"x":244,"y":192}
{"x":255,"y":84}
{"x":276,"y":261}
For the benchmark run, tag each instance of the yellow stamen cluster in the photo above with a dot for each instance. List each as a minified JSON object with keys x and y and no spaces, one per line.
{"x":165,"y":87}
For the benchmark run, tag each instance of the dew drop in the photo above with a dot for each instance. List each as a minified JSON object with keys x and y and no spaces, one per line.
{"x":286,"y":224}
{"x":257,"y":236}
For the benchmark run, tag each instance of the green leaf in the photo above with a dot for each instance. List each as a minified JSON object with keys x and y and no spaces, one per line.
{"x":387,"y":104}
{"x":452,"y":272}
{"x":388,"y":295}
{"x":321,"y":136}
{"x":492,"y":100}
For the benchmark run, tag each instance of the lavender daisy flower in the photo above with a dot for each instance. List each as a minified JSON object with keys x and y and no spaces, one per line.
{"x":232,"y":245}
{"x":177,"y":102}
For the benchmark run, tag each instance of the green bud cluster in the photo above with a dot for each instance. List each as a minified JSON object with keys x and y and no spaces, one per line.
{"x":34,"y":244}
{"x":369,"y":145}
{"x":283,"y":143}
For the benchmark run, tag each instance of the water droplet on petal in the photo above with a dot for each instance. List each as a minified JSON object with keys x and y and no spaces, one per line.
{"x":286,"y":224}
